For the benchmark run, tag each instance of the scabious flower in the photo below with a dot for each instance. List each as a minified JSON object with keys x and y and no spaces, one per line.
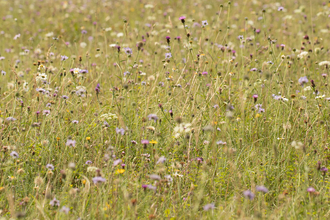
{"x":70,"y":143}
{"x":248,"y":194}
{"x":98,"y":179}
{"x":262,"y":189}
{"x":168,"y":55}
{"x":280,"y":8}
{"x":303,"y":80}
{"x":88,"y":162}
{"x":204,"y":23}
{"x":54,"y":202}
{"x":65,"y":210}
{"x":14,"y":154}
{"x":209,"y":206}
{"x":120,"y":131}
{"x":128,"y":50}
{"x":153,"y":117}
{"x":162,"y":159}
{"x":9,"y":119}
{"x":63,"y":57}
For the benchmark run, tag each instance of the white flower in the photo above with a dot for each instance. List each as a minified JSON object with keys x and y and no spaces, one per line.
{"x":307,"y":88}
{"x":41,"y":77}
{"x":120,"y":34}
{"x":302,"y":54}
{"x":112,"y":45}
{"x":50,"y":34}
{"x":76,"y":70}
{"x":108,"y":29}
{"x":319,"y":96}
{"x":92,"y":169}
{"x":108,"y":116}
{"x":182,"y":128}
{"x":324,"y":63}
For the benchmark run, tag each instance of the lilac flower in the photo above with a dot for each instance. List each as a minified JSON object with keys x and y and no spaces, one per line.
{"x":88,"y":162}
{"x":83,"y":71}
{"x":253,"y":69}
{"x":280,"y":8}
{"x":65,"y":210}
{"x":128,"y":50}
{"x":9,"y":119}
{"x":84,"y":32}
{"x":303,"y":80}
{"x":221,"y":143}
{"x":65,"y":97}
{"x":204,"y":73}
{"x":50,"y":166}
{"x":3,"y":73}
{"x":262,"y":189}
{"x":204,"y":23}
{"x":106,"y":124}
{"x":126,"y":73}
{"x":153,"y":117}
{"x":162,"y":159}
{"x":209,"y":206}
{"x":116,"y":162}
{"x":98,"y":179}
{"x":75,"y":122}
{"x":14,"y":154}
{"x":46,"y":112}
{"x":70,"y":143}
{"x":248,"y":194}
{"x":168,"y":55}
{"x":54,"y":202}
{"x":120,"y":130}
{"x":63,"y":57}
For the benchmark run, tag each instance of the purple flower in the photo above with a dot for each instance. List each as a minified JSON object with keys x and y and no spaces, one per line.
{"x":120,"y":130}
{"x":262,"y":189}
{"x":324,"y":170}
{"x":248,"y":194}
{"x":126,"y":73}
{"x":280,"y":8}
{"x":84,"y":32}
{"x":153,"y":117}
{"x":168,"y":55}
{"x":3,"y":73}
{"x":65,"y":210}
{"x":204,"y":73}
{"x":65,"y":97}
{"x":310,"y":189}
{"x":14,"y":154}
{"x":182,"y":19}
{"x":106,"y":124}
{"x":9,"y":119}
{"x":221,"y":143}
{"x":83,"y":71}
{"x":253,"y":69}
{"x":75,"y":122}
{"x":50,"y":166}
{"x":116,"y":162}
{"x":162,"y":159}
{"x":128,"y":50}
{"x":63,"y":57}
{"x":98,"y":179}
{"x":88,"y":162}
{"x":145,"y":142}
{"x":133,"y":142}
{"x":204,"y":23}
{"x":70,"y":143}
{"x":209,"y":206}
{"x":46,"y":112}
{"x":54,"y":202}
{"x":151,"y":187}
{"x":302,"y":80}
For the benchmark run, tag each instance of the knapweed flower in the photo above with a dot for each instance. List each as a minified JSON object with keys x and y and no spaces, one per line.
{"x":209,"y":206}
{"x":144,"y":142}
{"x":153,"y":117}
{"x":70,"y":143}
{"x":248,"y":194}
{"x":50,"y":166}
{"x":14,"y":154}
{"x":204,"y":73}
{"x":46,"y":112}
{"x":255,"y":97}
{"x":54,"y":202}
{"x":182,"y":19}
{"x":302,"y":80}
{"x":311,"y":190}
{"x":262,"y":189}
{"x":204,"y":23}
{"x":162,"y":159}
{"x":65,"y":97}
{"x":168,"y":55}
{"x":98,"y":179}
{"x":128,"y":51}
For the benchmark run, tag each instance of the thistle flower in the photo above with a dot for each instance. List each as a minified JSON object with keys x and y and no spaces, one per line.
{"x":311,"y":190}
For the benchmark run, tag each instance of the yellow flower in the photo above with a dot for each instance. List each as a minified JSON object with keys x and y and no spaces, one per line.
{"x":88,"y":138}
{"x":153,"y":142}
{"x":258,"y":115}
{"x":58,"y":138}
{"x":120,"y":171}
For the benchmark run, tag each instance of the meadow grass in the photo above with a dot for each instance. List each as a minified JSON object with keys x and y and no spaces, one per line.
{"x":164,"y":109}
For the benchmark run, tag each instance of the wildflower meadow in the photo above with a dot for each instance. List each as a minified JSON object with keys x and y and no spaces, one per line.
{"x":167,"y":109}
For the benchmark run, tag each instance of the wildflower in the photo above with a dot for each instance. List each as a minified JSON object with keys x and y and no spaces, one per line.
{"x":133,"y":142}
{"x":248,"y":194}
{"x":324,"y":170}
{"x":98,"y":179}
{"x":9,"y":119}
{"x":168,"y":39}
{"x":17,"y":36}
{"x":128,"y":51}
{"x":84,"y":32}
{"x":302,"y":54}
{"x":75,"y":122}
{"x":168,"y":55}
{"x":144,"y":142}
{"x":261,"y":189}
{"x":3,"y":73}
{"x":303,"y":80}
{"x":162,"y":159}
{"x":65,"y":210}
{"x":88,"y":138}
{"x":154,"y":177}
{"x":280,"y":8}
{"x":88,"y":162}
{"x":253,"y":69}
{"x":255,"y":97}
{"x":204,"y":73}
{"x":63,"y":57}
{"x":168,"y":178}
{"x":70,"y":143}
{"x":153,"y":117}
{"x":240,"y":37}
{"x":65,"y":97}
{"x":50,"y":167}
{"x":221,"y":143}
{"x":209,"y":206}
{"x":14,"y":154}
{"x":182,"y":19}
{"x":311,"y":190}
{"x":116,"y":162}
{"x":54,"y":202}
{"x":46,"y":112}
{"x":324,"y":63}
{"x":204,"y":23}
{"x":120,"y":130}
